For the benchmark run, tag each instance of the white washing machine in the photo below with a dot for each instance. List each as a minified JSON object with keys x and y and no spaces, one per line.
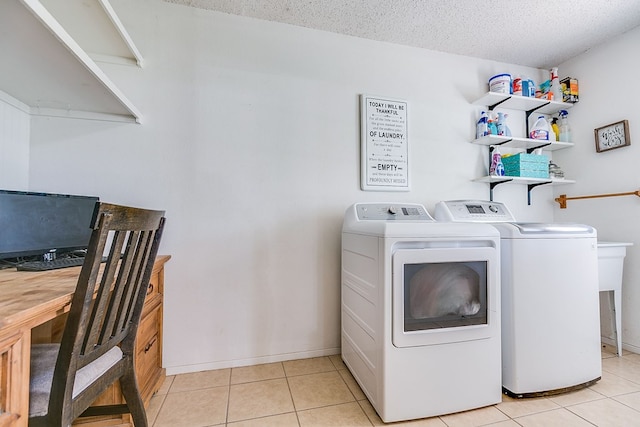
{"x":550,"y":302}
{"x":420,"y":311}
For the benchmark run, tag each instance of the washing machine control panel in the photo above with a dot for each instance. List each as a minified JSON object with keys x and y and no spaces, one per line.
{"x":392,"y":212}
{"x":472,"y":211}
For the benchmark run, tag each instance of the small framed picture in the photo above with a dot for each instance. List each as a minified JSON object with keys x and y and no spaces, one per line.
{"x":612,"y":136}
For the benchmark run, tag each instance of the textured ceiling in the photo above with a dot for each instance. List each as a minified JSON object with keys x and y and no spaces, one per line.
{"x":535,"y":33}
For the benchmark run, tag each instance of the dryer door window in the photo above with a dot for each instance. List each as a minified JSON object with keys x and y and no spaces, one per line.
{"x":444,"y":295}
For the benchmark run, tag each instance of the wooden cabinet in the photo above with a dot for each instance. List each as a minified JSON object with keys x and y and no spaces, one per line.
{"x":148,"y":357}
{"x":33,"y":307}
{"x":13,"y":400}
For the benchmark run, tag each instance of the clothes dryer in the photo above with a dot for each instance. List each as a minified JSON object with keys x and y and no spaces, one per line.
{"x":550,"y":299}
{"x":420,"y":310}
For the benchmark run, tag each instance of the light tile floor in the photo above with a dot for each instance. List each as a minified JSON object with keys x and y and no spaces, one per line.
{"x":321,"y":392}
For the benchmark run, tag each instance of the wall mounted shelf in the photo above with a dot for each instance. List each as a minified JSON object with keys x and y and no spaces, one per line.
{"x":97,"y":28}
{"x":45,"y":71}
{"x":527,"y":144}
{"x":531,"y":183}
{"x":492,"y":100}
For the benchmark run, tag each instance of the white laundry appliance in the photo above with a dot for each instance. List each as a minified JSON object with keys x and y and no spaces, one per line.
{"x":550,"y":302}
{"x":420,"y":310}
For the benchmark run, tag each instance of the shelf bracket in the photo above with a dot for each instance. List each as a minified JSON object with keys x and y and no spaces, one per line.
{"x":502,"y":143}
{"x":497,"y":104}
{"x":531,"y":150}
{"x":492,"y":185}
{"x":529,"y":112}
{"x":531,"y":187}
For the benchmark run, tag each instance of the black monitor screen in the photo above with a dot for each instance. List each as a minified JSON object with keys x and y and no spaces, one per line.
{"x":38,"y":223}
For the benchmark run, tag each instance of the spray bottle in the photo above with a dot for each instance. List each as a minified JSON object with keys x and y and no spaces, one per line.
{"x":503,"y":129}
{"x":493,"y":128}
{"x":565,"y":131}
{"x":555,"y":85}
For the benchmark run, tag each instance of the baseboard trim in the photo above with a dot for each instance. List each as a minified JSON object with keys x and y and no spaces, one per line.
{"x":625,"y":346}
{"x":186,"y":369}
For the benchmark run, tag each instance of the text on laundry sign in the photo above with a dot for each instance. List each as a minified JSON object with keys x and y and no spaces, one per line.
{"x":387,"y":167}
{"x":386,"y":108}
{"x":392,"y":135}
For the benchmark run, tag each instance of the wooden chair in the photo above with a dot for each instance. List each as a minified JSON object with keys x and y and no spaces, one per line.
{"x":97,"y":345}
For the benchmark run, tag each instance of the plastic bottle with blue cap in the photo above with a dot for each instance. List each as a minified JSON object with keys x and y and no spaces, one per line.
{"x":565,"y":131}
{"x":501,"y":125}
{"x":528,"y":87}
{"x":540,"y":129}
{"x":482,"y":127}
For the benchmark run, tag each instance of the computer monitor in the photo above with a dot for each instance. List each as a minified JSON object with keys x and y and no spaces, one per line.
{"x":41,"y":225}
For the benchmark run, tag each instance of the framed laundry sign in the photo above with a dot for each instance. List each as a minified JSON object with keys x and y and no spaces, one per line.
{"x":384,"y":151}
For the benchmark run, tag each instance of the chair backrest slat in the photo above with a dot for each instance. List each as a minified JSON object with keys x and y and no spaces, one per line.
{"x":112,"y":289}
{"x":141,"y":255}
{"x":103,"y":297}
{"x":121,"y":283}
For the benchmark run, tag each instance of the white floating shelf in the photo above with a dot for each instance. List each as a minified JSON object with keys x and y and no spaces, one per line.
{"x":44,"y":68}
{"x":521,"y":143}
{"x":522,"y":180}
{"x":513,"y":180}
{"x":562,"y":181}
{"x":95,"y":25}
{"x":522,"y":103}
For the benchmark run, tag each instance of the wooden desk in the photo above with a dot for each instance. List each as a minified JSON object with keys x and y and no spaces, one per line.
{"x":31,"y":299}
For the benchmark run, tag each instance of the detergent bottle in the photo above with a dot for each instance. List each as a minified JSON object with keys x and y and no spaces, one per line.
{"x":482,"y":127}
{"x":540,"y":129}
{"x":565,"y":131}
{"x":528,"y":87}
{"x":496,"y":168}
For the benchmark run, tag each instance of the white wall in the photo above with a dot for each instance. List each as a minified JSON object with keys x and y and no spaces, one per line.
{"x":607,"y":95}
{"x":14,"y":143}
{"x":250,"y":142}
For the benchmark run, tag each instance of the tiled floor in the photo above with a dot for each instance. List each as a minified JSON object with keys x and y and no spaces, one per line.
{"x":322,"y":392}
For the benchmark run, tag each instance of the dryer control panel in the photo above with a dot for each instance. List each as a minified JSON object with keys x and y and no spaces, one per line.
{"x":472,"y":211}
{"x":392,"y":212}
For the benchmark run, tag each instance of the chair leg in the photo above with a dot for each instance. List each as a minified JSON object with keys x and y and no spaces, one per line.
{"x":131,"y":394}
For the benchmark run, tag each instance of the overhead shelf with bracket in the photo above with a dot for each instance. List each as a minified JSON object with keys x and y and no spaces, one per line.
{"x":531,"y":183}
{"x":492,"y":100}
{"x":526,"y":144}
{"x":97,"y":28}
{"x":44,"y":71}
